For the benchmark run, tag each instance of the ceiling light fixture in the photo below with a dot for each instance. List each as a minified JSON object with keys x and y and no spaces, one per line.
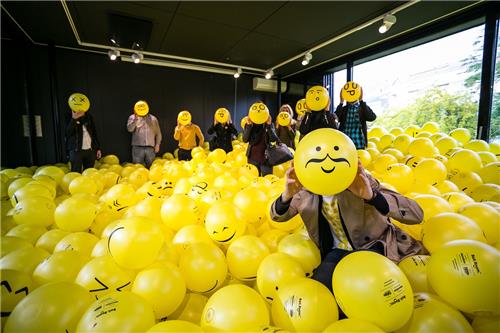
{"x":389,"y":20}
{"x":114,"y":53}
{"x":137,"y":57}
{"x":237,"y":73}
{"x":269,"y":74}
{"x":307,"y":57}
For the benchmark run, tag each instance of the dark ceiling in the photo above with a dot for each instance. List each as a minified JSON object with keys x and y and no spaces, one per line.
{"x":257,"y":34}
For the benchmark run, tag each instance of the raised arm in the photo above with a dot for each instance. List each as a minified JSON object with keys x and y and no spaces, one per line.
{"x":131,"y":123}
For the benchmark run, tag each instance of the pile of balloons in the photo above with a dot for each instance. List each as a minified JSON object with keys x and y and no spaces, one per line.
{"x":190,"y":246}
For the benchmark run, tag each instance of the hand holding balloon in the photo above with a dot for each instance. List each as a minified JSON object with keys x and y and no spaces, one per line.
{"x":292,"y":186}
{"x":361,"y":184}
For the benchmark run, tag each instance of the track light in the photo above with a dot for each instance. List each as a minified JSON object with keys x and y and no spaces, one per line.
{"x":237,"y":73}
{"x":137,"y":57}
{"x":269,"y":74}
{"x":114,"y":53}
{"x":307,"y":57}
{"x":389,"y":20}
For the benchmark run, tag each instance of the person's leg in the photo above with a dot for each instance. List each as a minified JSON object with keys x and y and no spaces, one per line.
{"x":254,"y":163}
{"x":75,"y":157}
{"x":138,"y":155}
{"x":88,"y":158}
{"x":184,"y":155}
{"x":266,"y":170}
{"x":149,"y":154}
{"x":323,"y":273}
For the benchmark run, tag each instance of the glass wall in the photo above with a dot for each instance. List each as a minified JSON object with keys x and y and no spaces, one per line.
{"x":437,"y":81}
{"x":495,"y":109}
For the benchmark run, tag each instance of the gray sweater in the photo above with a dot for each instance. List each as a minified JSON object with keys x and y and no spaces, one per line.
{"x":145,"y":130}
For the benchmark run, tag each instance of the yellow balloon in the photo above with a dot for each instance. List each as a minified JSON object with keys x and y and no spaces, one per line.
{"x":457,"y":199}
{"x":446,"y":186}
{"x":191,"y":308}
{"x":431,"y":314}
{"x":284,"y":118}
{"x":10,"y":244}
{"x":461,"y":134}
{"x":42,"y":310}
{"x":274,"y":271}
{"x":420,"y":188}
{"x":431,"y":127}
{"x":218,"y":156}
{"x":466,"y":181}
{"x":421,"y":147}
{"x":75,"y":214}
{"x":135,"y":242}
{"x":244,"y":256}
{"x":317,"y":98}
{"x":17,"y":184}
{"x":486,"y":217}
{"x":203,"y":267}
{"x":303,"y":250}
{"x":16,"y":285}
{"x":243,"y":122}
{"x":301,"y":107}
{"x":83,"y":184}
{"x":163,"y":288}
{"x":82,"y":242}
{"x":352,"y":325}
{"x":382,"y":162}
{"x":412,"y":130}
{"x":190,"y":234}
{"x":111,"y":159}
{"x":184,"y":117}
{"x":222,"y":115}
{"x":34,"y":210}
{"x":178,"y":211}
{"x":477,"y":145}
{"x":486,"y":192}
{"x":400,"y":176}
{"x":258,"y":113}
{"x":490,"y":173}
{"x":228,"y":309}
{"x":51,"y":171}
{"x":394,"y":152}
{"x":78,"y":102}
{"x":430,"y":171}
{"x":446,"y":227}
{"x":463,"y":161}
{"x":28,"y":232}
{"x":351,"y":92}
{"x":326,"y":161}
{"x":272,"y":238}
{"x":413,"y":161}
{"x":100,"y":249}
{"x":376,"y":132}
{"x":365,"y":157}
{"x":118,"y":312}
{"x":465,"y":274}
{"x":174,"y":326}
{"x":24,"y":259}
{"x":29,"y":191}
{"x":385,"y":141}
{"x":224,"y":222}
{"x":141,"y":108}
{"x":379,"y":292}
{"x":485,"y":324}
{"x":415,"y":269}
{"x":304,"y":305}
{"x":446,"y":143}
{"x":59,"y":267}
{"x":253,"y":203}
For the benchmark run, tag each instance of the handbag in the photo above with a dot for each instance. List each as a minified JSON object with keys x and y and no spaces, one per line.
{"x":277,"y":153}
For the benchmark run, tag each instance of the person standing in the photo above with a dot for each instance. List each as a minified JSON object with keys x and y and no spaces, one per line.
{"x":318,"y":102}
{"x":146,"y":134}
{"x":354,"y":115}
{"x":224,"y":131}
{"x":81,"y":135}
{"x":285,"y":126}
{"x":188,"y":134}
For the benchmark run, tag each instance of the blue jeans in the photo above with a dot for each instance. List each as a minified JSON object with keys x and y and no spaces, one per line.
{"x":143,"y":155}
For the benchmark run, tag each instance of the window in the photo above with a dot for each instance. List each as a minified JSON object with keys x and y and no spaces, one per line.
{"x":495,"y":109}
{"x":437,"y":81}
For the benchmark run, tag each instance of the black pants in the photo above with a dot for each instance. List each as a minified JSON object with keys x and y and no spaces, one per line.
{"x":184,"y":155}
{"x":85,"y":158}
{"x":264,"y":169}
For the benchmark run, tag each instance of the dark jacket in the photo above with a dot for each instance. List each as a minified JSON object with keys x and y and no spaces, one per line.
{"x":74,"y":133}
{"x":286,"y":135}
{"x":256,"y":134}
{"x":317,"y":119}
{"x":365,"y":114}
{"x":223,"y":138}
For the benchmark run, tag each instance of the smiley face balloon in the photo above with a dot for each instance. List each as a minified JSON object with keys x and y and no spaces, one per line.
{"x":141,"y":108}
{"x":258,"y":113}
{"x":284,"y":118}
{"x":351,"y":91}
{"x":326,"y":161}
{"x":317,"y":98}
{"x":222,"y":115}
{"x":301,"y":107}
{"x":184,"y":117}
{"x":78,"y":102}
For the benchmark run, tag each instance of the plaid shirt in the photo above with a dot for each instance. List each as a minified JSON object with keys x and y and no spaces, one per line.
{"x":353,"y":126}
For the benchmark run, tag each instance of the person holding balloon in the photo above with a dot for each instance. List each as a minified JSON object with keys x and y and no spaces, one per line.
{"x":354,"y":115}
{"x":259,"y":133}
{"x":318,"y":103}
{"x":81,"y":135}
{"x":285,"y":126}
{"x":146,"y":134}
{"x":188,"y":134}
{"x":343,"y":207}
{"x":224,"y":131}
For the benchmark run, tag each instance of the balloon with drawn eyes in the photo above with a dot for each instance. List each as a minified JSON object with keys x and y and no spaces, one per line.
{"x":78,"y":102}
{"x":351,"y":91}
